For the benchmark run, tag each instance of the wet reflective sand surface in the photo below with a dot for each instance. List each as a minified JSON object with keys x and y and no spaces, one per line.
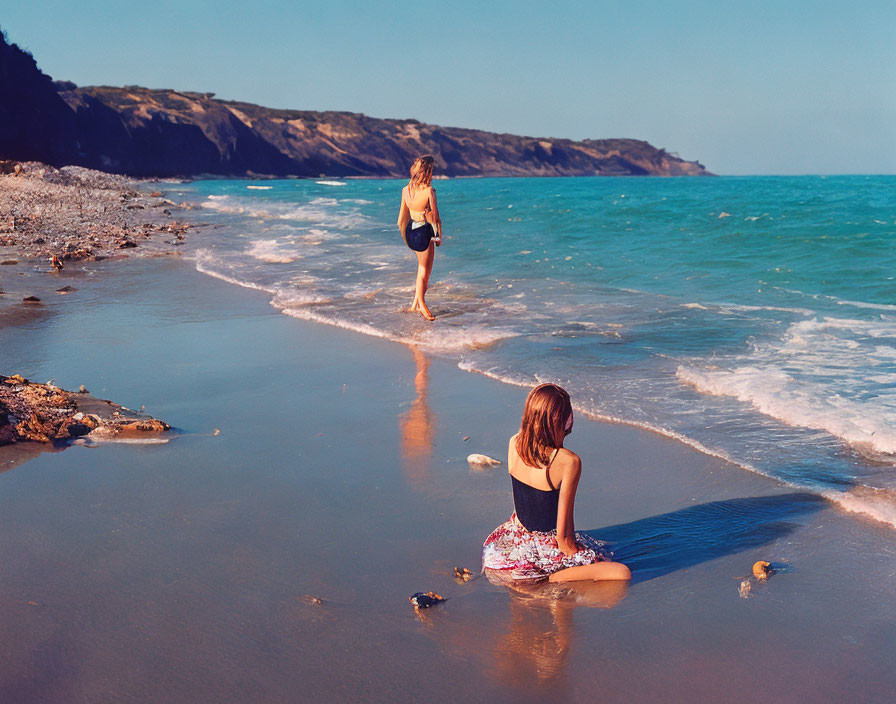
{"x":272,"y":562}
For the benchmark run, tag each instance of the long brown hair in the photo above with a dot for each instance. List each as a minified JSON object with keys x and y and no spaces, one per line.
{"x":544,"y":425}
{"x":423,"y":175}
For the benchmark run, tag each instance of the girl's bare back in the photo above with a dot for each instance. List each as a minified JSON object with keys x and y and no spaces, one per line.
{"x":418,"y":202}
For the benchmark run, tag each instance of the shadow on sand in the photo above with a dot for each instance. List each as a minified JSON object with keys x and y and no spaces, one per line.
{"x":656,"y":546}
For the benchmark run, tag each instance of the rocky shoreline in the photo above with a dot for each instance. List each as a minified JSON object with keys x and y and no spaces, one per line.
{"x":74,"y":213}
{"x":45,"y":413}
{"x":50,"y":218}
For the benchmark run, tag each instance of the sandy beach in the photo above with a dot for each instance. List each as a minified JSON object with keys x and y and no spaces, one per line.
{"x":258,"y":379}
{"x":272,"y":561}
{"x":74,"y":214}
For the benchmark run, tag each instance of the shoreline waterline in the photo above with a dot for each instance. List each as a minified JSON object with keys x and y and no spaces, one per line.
{"x":878,"y":505}
{"x":293,"y":243}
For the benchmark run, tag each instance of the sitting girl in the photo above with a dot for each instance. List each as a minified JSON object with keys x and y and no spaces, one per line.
{"x":539,"y":540}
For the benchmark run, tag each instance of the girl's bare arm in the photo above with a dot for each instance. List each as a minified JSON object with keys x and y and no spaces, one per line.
{"x":404,"y":215}
{"x":566,"y":529}
{"x":436,"y":218}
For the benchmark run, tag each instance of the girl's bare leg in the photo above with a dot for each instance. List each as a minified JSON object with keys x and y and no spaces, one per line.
{"x":424,"y":269}
{"x":597,"y":571}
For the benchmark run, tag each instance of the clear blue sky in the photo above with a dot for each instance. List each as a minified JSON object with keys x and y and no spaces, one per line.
{"x":745,"y":87}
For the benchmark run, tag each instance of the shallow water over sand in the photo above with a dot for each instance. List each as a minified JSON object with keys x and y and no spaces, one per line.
{"x":182,"y":572}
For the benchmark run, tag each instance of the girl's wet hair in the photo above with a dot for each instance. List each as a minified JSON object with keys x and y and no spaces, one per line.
{"x":421,"y":171}
{"x":544,"y":425}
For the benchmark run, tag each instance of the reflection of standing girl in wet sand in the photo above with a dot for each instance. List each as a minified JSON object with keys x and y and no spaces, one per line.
{"x":417,"y":427}
{"x":539,"y":540}
{"x":421,"y":227}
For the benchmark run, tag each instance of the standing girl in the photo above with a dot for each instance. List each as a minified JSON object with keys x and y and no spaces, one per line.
{"x":421,"y":227}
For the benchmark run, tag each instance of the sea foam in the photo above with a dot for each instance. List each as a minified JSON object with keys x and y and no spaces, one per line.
{"x":319,"y":211}
{"x":818,"y":376}
{"x":271,"y":251}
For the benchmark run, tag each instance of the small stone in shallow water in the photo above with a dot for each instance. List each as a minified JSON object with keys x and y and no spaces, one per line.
{"x":66,"y":289}
{"x":30,"y":299}
{"x":744,"y":589}
{"x":424,"y":600}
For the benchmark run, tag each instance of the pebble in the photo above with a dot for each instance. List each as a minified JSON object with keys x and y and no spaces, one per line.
{"x":425,"y":600}
{"x":462,"y":574}
{"x":762,"y":570}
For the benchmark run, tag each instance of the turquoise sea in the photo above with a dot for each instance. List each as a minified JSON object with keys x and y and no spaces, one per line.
{"x":751,"y":317}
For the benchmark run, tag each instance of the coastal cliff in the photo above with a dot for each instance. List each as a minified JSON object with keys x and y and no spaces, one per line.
{"x":143,"y":132}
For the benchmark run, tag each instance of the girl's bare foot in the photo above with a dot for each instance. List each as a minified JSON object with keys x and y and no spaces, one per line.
{"x":425,"y":312}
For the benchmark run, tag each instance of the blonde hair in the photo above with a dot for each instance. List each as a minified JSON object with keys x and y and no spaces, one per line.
{"x":544,"y":425}
{"x":421,"y":172}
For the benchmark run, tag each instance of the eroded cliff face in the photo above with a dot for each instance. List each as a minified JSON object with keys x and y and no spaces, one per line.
{"x":143,"y":132}
{"x":35,"y":122}
{"x":162,"y":132}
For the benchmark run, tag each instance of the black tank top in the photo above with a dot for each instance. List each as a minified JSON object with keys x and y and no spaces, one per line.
{"x":535,"y":508}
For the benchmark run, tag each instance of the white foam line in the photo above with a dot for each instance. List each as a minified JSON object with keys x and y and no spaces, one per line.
{"x":862,"y":304}
{"x":780,"y":309}
{"x":778,"y":396}
{"x":839,"y":301}
{"x":879,"y":504}
{"x":231,"y":280}
{"x":108,"y":440}
{"x":431,"y":341}
{"x":306,"y":314}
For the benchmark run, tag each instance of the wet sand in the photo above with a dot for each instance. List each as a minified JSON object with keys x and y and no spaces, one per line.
{"x":183,"y":571}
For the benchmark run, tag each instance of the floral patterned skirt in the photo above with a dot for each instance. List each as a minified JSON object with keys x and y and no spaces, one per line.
{"x":533,"y":555}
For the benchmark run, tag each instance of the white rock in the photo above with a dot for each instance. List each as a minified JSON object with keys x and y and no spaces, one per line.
{"x":478,"y":460}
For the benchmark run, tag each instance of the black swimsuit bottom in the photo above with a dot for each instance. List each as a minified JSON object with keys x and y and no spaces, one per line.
{"x":418,"y":237}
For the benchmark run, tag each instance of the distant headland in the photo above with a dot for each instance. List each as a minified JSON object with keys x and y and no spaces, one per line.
{"x":147,"y":133}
